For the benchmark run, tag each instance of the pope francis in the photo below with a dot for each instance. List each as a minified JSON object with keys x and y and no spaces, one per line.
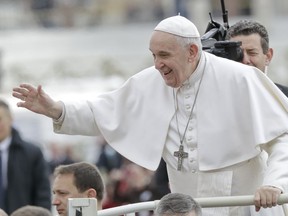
{"x":221,"y":126}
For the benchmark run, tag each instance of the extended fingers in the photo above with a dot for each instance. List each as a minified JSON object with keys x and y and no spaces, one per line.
{"x":23,"y":91}
{"x":28,"y":87}
{"x":20,"y":93}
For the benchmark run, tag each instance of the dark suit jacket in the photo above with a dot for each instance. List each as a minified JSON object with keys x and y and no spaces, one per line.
{"x":284,"y":89}
{"x":28,"y":176}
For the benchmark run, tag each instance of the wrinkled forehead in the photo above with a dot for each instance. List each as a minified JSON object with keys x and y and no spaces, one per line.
{"x":160,"y":40}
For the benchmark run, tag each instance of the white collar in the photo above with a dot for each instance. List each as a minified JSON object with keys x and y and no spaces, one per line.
{"x":4,"y":145}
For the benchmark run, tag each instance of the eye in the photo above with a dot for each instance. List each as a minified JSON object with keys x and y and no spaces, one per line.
{"x":163,"y":55}
{"x":252,"y":53}
{"x":60,"y":193}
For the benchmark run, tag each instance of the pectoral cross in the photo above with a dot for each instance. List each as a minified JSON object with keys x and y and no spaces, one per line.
{"x":180,"y":154}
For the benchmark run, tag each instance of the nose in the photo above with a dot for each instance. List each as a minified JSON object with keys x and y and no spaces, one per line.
{"x":55,"y":200}
{"x":246,"y":59}
{"x":158,"y":63}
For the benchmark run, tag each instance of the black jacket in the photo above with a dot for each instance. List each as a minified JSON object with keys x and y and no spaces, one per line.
{"x":28,"y":176}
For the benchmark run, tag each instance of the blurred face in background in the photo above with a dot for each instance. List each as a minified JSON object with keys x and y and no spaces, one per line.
{"x":5,"y":123}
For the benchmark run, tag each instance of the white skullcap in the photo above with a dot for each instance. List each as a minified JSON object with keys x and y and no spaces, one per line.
{"x":178,"y":25}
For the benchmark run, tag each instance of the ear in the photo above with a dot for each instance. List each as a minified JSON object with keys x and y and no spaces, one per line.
{"x":91,"y":193}
{"x":193,"y":51}
{"x":269,"y":56}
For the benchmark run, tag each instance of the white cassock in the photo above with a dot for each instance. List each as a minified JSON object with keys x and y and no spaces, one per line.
{"x":238,"y":112}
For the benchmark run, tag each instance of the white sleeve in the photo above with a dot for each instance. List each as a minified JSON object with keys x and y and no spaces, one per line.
{"x":277,"y":174}
{"x":77,"y":118}
{"x":57,"y":123}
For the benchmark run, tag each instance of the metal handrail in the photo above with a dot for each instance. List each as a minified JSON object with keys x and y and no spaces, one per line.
{"x":208,"y":202}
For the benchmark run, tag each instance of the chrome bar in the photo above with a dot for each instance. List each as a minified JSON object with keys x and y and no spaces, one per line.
{"x":204,"y":202}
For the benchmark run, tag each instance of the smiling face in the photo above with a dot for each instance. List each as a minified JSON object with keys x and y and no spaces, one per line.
{"x":174,"y":61}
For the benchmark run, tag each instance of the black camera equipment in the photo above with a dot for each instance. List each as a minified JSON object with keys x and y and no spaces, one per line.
{"x":213,"y":41}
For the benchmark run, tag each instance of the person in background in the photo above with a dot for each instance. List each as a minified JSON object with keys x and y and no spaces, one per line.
{"x":43,"y":12}
{"x":160,"y":181}
{"x":211,"y":119}
{"x":60,"y":155}
{"x":255,"y":45}
{"x":24,"y":175}
{"x":129,"y":184}
{"x":77,"y":180}
{"x":31,"y":211}
{"x":177,"y":204}
{"x":109,"y":159}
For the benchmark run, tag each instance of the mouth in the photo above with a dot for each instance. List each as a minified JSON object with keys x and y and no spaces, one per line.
{"x":61,"y":211}
{"x":167,"y":72}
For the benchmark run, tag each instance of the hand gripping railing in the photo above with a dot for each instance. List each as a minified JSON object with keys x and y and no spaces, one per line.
{"x":204,"y":202}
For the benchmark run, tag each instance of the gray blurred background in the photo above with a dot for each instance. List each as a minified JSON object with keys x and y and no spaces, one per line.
{"x":79,"y":48}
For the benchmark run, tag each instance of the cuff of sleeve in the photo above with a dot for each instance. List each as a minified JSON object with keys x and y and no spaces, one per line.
{"x":60,"y":120}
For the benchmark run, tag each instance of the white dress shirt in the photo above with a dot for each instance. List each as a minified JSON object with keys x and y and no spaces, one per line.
{"x":4,"y":149}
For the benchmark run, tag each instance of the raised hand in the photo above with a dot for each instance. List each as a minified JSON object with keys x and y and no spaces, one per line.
{"x":36,"y":100}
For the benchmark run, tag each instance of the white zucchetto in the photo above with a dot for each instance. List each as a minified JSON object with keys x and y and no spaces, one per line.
{"x":178,"y":25}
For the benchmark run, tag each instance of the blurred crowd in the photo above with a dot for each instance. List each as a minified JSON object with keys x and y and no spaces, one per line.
{"x":91,"y":13}
{"x":125,"y":181}
{"x":87,"y":13}
{"x":80,"y":13}
{"x":27,"y":172}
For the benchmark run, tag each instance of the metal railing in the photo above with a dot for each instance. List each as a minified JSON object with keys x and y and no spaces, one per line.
{"x":211,"y":202}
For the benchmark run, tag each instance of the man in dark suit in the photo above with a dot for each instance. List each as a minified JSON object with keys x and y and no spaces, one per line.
{"x":25,"y":175}
{"x":255,"y":45}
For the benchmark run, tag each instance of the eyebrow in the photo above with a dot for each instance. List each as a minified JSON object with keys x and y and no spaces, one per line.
{"x":252,"y":49}
{"x":61,"y":191}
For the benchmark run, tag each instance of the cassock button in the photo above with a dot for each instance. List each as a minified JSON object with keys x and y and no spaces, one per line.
{"x":193,"y":171}
{"x":187,"y":96}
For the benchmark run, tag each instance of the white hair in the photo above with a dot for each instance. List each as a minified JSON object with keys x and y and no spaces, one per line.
{"x":187,"y":41}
